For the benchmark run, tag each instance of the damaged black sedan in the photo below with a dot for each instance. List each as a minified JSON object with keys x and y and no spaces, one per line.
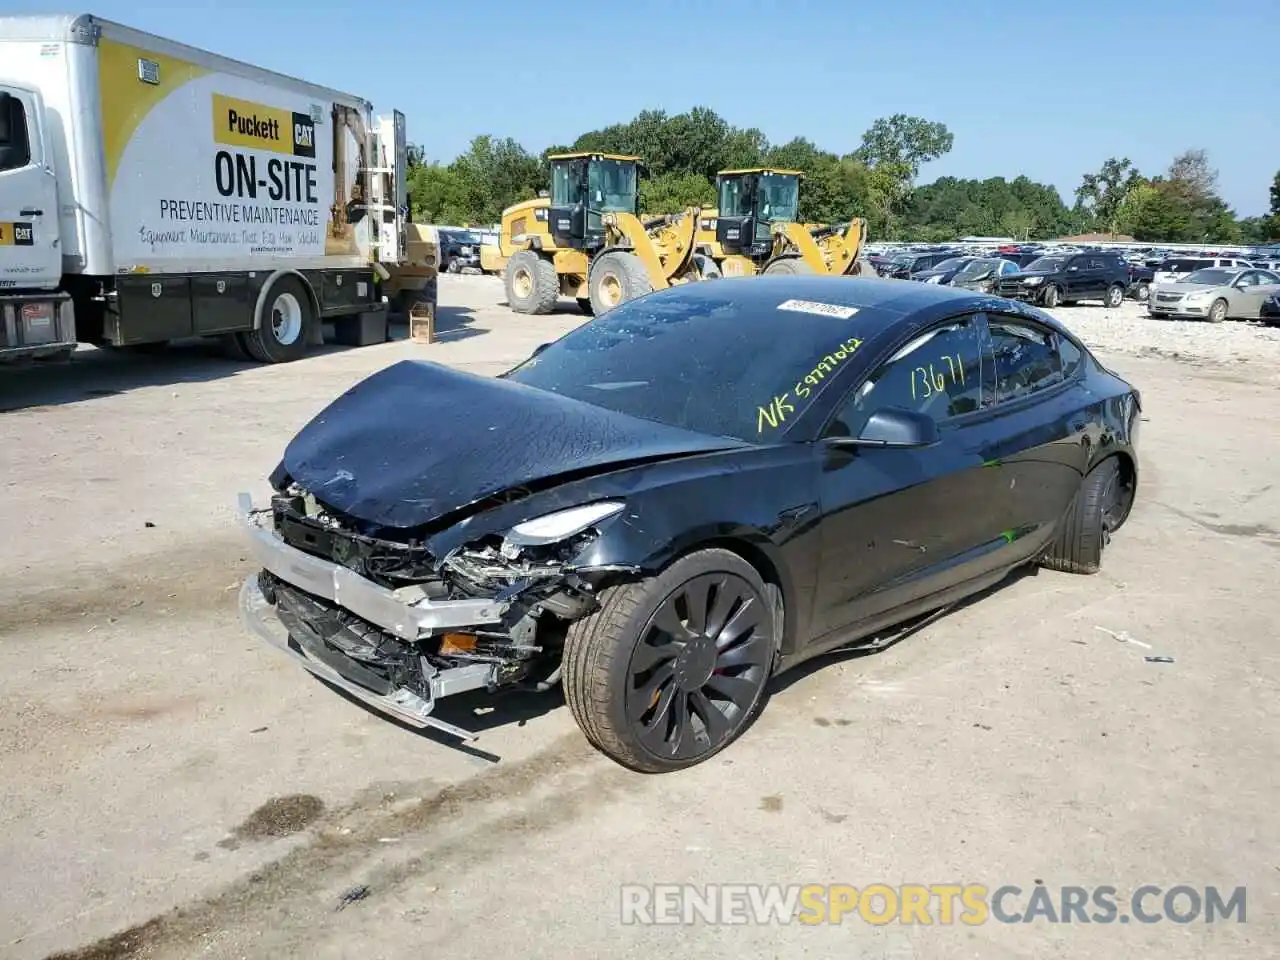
{"x":670,"y":504}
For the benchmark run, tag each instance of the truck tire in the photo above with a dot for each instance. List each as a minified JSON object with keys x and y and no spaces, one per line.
{"x":616,"y":277}
{"x":698,"y":640}
{"x":287,"y":319}
{"x":708,"y":269}
{"x":531,"y":283}
{"x":787,"y":266}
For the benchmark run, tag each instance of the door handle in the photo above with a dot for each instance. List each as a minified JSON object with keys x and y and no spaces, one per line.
{"x":31,"y":212}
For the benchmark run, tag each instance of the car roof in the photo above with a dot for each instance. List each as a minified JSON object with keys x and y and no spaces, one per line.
{"x":881,"y":304}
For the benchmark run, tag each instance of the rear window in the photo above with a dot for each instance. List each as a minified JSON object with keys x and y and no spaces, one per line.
{"x":1184,"y":266}
{"x":712,"y":364}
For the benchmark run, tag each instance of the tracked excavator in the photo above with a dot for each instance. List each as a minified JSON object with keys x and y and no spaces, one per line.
{"x":754,"y":230}
{"x":586,"y":241}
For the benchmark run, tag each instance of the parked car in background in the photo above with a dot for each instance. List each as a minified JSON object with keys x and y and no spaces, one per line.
{"x":1055,"y":280}
{"x":904,"y":266}
{"x":1140,"y":280}
{"x":983,"y":273}
{"x":459,"y":248}
{"x":1022,"y":258}
{"x":942,"y":272}
{"x":1270,"y":311}
{"x":1215,"y":294}
{"x":1175,"y":268}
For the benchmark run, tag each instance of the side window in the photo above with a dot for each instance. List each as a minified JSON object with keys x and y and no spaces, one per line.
{"x":938,"y":373}
{"x":1097,"y":263}
{"x":1026,"y":360}
{"x":15,"y":150}
{"x":1071,"y":357}
{"x":1250,"y":279}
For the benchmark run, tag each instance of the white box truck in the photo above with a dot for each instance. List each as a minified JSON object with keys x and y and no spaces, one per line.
{"x":150,"y":191}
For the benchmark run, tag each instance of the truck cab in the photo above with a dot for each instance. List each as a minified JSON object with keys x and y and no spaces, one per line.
{"x":584,"y":187}
{"x":750,"y":202}
{"x":36,"y":319}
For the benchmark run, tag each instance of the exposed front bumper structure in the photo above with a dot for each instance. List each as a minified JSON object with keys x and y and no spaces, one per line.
{"x":408,"y":619}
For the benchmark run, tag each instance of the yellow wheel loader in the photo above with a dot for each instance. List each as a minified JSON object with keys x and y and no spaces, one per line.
{"x":754,"y":230}
{"x":585,"y":240}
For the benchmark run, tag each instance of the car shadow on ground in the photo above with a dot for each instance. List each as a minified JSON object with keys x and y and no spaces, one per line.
{"x":479,"y":711}
{"x":563,"y":307}
{"x":476,"y":711}
{"x":104,"y":372}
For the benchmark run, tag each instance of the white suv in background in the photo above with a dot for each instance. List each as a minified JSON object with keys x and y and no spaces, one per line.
{"x":1175,"y":268}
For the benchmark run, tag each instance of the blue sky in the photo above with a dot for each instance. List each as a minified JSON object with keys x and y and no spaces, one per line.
{"x":1049,"y":90}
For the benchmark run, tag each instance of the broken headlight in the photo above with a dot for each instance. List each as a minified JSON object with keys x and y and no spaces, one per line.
{"x":554,"y":527}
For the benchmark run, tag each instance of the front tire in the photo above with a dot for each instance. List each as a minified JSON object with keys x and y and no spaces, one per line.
{"x":1217,"y":312}
{"x":672,"y":669}
{"x":531,"y":283}
{"x":616,"y":277}
{"x":1052,"y":296}
{"x":286,"y":324}
{"x":1098,"y":508}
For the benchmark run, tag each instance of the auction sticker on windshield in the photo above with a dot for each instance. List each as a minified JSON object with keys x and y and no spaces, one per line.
{"x":824,"y":309}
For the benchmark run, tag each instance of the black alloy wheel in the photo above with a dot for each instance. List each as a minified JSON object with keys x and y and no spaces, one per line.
{"x":699,"y":667}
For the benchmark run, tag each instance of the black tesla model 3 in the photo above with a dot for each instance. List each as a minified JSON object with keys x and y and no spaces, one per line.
{"x":684,"y":496}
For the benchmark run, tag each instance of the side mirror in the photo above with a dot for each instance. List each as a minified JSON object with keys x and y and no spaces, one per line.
{"x":893,"y":427}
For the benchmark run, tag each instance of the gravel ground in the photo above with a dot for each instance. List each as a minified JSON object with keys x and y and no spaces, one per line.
{"x":1129,"y":330}
{"x":170,"y":788}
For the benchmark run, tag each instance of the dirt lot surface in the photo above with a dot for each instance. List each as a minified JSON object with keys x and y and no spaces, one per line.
{"x":169,"y":787}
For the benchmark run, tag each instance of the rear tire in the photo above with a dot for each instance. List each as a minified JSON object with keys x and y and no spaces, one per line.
{"x":698,"y":641}
{"x":1052,"y":296}
{"x":1097,"y":509}
{"x":287,"y":319}
{"x":531,"y":283}
{"x":787,"y":266}
{"x":1143,"y":293}
{"x":615,"y":278}
{"x":1217,"y":312}
{"x":1115,"y":296}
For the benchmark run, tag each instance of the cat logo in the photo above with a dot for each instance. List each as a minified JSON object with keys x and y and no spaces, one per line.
{"x":17,"y":235}
{"x":257,"y":126}
{"x":157,"y":289}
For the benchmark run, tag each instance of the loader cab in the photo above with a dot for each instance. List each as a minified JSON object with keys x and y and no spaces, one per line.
{"x":584,"y":187}
{"x":750,"y":203}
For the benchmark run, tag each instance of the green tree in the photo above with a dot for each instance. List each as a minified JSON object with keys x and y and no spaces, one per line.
{"x":1100,"y":195}
{"x":893,"y":149}
{"x":495,"y":173}
{"x":673,"y":192}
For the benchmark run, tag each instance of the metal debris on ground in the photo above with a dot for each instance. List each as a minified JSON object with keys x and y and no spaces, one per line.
{"x":354,"y":895}
{"x":1124,"y":637}
{"x":1158,"y":659}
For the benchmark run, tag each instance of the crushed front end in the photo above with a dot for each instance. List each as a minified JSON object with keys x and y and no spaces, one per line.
{"x":398,"y":628}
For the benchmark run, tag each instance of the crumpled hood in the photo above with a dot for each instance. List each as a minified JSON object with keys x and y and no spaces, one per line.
{"x":417,"y":441}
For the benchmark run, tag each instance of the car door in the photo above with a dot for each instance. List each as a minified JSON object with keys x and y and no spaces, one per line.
{"x":1097,"y":277}
{"x":1075,"y":282}
{"x":1249,"y":292}
{"x":900,"y":524}
{"x":1040,"y":432}
{"x":30,"y":255}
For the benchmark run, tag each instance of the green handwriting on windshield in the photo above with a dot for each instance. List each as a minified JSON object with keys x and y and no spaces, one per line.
{"x":782,"y":407}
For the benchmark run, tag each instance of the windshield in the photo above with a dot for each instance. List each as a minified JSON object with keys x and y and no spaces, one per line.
{"x":613,"y":186}
{"x":1216,"y":278}
{"x":977,"y":270}
{"x":951,"y":263}
{"x":779,"y":197}
{"x":1045,"y":265}
{"x":700,"y":362}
